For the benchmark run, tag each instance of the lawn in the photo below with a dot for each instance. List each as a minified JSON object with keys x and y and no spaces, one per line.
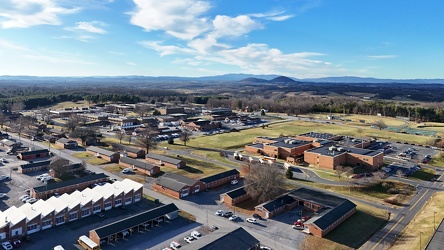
{"x":113,"y":168}
{"x":437,"y":160}
{"x":96,"y":161}
{"x":196,"y":169}
{"x":389,"y":121}
{"x":63,"y":105}
{"x":83,"y":155}
{"x":211,"y":155}
{"x":422,"y":222}
{"x":357,"y":229}
{"x":424,"y":174}
{"x":378,"y":192}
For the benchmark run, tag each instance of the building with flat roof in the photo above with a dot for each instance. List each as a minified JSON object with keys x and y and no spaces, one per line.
{"x":330,"y":157}
{"x":286,"y":148}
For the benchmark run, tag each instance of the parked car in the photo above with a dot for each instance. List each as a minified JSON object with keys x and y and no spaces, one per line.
{"x":228,"y":214}
{"x":220,"y":213}
{"x":189,"y":239}
{"x":175,"y":245}
{"x":234,"y":182}
{"x":214,"y":228}
{"x":233,"y":218}
{"x":256,"y":216}
{"x":16,"y":243}
{"x":7,"y":245}
{"x":3,"y":177}
{"x":264,"y":248}
{"x":126,"y":171}
{"x":195,"y":234}
{"x":2,"y":195}
{"x":31,"y":200}
{"x":251,"y":220}
{"x":23,"y":197}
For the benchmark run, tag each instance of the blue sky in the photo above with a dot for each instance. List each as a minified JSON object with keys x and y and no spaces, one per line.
{"x":400,"y":39}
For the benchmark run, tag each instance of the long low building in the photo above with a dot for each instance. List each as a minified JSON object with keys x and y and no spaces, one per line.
{"x":45,"y":191}
{"x":220,"y":178}
{"x":163,"y":160}
{"x":28,"y":155}
{"x":104,"y":154}
{"x":329,"y":210}
{"x":226,"y":239}
{"x":177,"y":186}
{"x":141,"y":166}
{"x":44,"y":214}
{"x":33,"y":167}
{"x":133,"y":224}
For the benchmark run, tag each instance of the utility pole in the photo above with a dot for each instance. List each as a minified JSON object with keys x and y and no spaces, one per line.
{"x":434,"y":227}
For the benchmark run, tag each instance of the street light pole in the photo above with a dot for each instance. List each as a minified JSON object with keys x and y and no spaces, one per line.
{"x":434,"y":227}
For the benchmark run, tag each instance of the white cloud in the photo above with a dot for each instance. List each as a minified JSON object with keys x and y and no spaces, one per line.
{"x":89,"y":27}
{"x":28,"y":13}
{"x":5,"y":44}
{"x":279,"y":18}
{"x":131,"y":64}
{"x":229,"y":26}
{"x":180,"y":18}
{"x":55,"y":59}
{"x":116,"y":53}
{"x":375,"y":57}
{"x":166,"y":49}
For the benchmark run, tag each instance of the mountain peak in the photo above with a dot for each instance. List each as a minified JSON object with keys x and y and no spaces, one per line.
{"x":282,"y":79}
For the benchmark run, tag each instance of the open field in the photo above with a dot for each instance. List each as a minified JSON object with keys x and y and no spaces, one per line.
{"x":438,"y":160}
{"x":63,"y":105}
{"x":83,"y":155}
{"x":422,"y":222}
{"x":196,"y":169}
{"x":211,"y":155}
{"x":352,"y":233}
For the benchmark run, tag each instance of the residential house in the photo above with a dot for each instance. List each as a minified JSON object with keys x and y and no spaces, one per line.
{"x":235,"y":196}
{"x":66,"y":143}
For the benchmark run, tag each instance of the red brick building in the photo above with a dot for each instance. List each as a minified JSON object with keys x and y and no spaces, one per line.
{"x":329,"y":210}
{"x":29,"y":155}
{"x":129,"y":151}
{"x":104,"y":154}
{"x":162,"y":160}
{"x":177,"y":186}
{"x":235,"y":196}
{"x":220,"y":178}
{"x":142,"y":166}
{"x":330,"y":157}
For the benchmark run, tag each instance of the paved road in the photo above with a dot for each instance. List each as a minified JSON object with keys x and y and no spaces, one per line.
{"x":381,"y":240}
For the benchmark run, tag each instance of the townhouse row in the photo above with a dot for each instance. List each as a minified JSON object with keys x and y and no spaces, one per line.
{"x":31,"y":218}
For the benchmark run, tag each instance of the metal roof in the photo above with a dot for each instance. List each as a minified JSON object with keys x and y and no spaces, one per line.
{"x":101,"y":151}
{"x":42,"y":151}
{"x":163,"y":158}
{"x":437,"y":240}
{"x":137,"y":163}
{"x":219,"y":176}
{"x":35,"y":164}
{"x":174,"y":182}
{"x":332,"y":215}
{"x":135,"y":220}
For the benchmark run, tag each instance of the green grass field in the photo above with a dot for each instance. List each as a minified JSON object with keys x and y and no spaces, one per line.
{"x":438,"y":160}
{"x":196,"y":169}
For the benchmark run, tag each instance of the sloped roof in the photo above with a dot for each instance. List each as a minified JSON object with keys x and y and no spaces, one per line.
{"x":127,"y":148}
{"x":35,"y":164}
{"x":163,"y":158}
{"x":237,"y":239}
{"x":93,"y":193}
{"x":174,"y":182}
{"x":80,"y":196}
{"x":135,"y":220}
{"x":71,"y":182}
{"x":332,"y":215}
{"x":13,"y":215}
{"x":43,"y":207}
{"x":65,"y":140}
{"x":137,"y":163}
{"x":238,"y":192}
{"x":29,"y":211}
{"x":58,"y":205}
{"x":101,"y":151}
{"x":42,"y":151}
{"x":220,"y":176}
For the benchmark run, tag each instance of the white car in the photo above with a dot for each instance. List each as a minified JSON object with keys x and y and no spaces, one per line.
{"x":188,"y":239}
{"x":220,"y":213}
{"x":26,"y":199}
{"x":31,"y":201}
{"x":195,"y":234}
{"x":234,"y":182}
{"x":175,"y":245}
{"x":251,"y":220}
{"x":7,"y":245}
{"x":126,"y":170}
{"x":233,"y":218}
{"x":3,"y":177}
{"x":23,"y":196}
{"x":2,"y":195}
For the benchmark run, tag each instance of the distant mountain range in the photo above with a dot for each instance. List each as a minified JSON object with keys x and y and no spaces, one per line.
{"x":227,"y":77}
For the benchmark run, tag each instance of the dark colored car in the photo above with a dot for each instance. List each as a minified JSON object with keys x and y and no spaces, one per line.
{"x":256,"y":216}
{"x":228,"y":214}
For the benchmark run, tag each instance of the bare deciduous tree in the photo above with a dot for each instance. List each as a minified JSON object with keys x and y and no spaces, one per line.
{"x":380,"y":124}
{"x":147,"y":140}
{"x":348,"y":171}
{"x":264,"y":182}
{"x":185,"y":136}
{"x":3,"y":119}
{"x":121,"y":135}
{"x":339,"y":170}
{"x":84,"y":134}
{"x":57,"y":165}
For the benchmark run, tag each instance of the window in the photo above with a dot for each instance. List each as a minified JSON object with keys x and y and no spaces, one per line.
{"x":107,"y":205}
{"x":137,"y":197}
{"x":32,"y":227}
{"x":60,"y":220}
{"x":72,"y":216}
{"x":86,"y":212}
{"x":97,"y":208}
{"x":46,"y":223}
{"x":128,"y":200}
{"x":118,"y":202}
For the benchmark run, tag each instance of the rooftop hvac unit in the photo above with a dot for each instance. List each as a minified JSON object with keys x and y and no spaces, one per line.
{"x":332,"y":148}
{"x":341,"y":149}
{"x":287,"y":141}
